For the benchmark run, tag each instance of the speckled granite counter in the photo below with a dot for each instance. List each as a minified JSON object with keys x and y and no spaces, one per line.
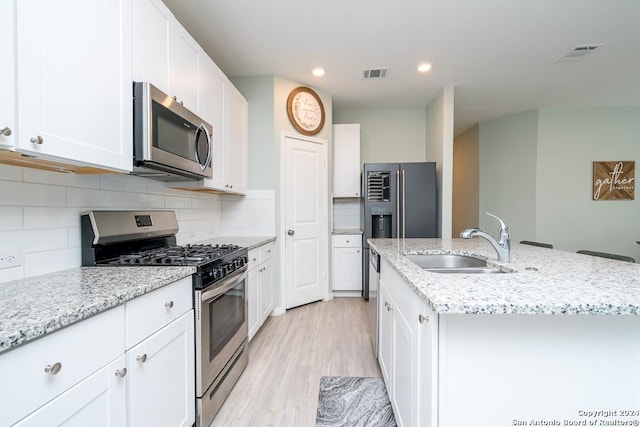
{"x":562,"y":282}
{"x":247,"y":242}
{"x":339,"y":231}
{"x":35,"y":306}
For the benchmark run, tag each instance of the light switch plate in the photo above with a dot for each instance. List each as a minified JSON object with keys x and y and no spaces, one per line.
{"x":10,"y":259}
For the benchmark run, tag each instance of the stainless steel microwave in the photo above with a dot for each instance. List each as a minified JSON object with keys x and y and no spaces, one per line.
{"x":170,"y":143}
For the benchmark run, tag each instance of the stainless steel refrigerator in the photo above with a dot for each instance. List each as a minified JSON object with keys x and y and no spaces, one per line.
{"x":398,"y":200}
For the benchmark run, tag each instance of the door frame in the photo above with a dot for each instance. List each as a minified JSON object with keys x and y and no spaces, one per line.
{"x":280,"y":223}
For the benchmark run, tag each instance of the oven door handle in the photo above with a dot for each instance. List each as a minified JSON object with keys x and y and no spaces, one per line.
{"x":235,"y":278}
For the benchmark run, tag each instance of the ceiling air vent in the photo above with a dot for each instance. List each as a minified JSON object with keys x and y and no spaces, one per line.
{"x":578,"y":52}
{"x":375,"y":73}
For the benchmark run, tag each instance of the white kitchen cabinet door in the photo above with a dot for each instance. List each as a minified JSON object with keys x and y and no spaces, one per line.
{"x":385,"y":325}
{"x":347,"y":269}
{"x":7,"y":76}
{"x":211,"y":105}
{"x":184,"y":58}
{"x":99,"y":400}
{"x":427,"y":366}
{"x":253,"y":301}
{"x":152,"y":23}
{"x":74,"y":60}
{"x":266,"y":289}
{"x":346,"y":160}
{"x":347,"y":262}
{"x":403,"y":368}
{"x":161,"y":377}
{"x":236,"y":140}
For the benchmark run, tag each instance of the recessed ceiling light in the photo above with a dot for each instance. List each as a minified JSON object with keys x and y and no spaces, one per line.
{"x":318,"y":72}
{"x":423,"y":68}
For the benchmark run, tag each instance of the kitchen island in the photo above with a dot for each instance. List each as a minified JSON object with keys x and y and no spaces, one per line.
{"x":554,"y":339}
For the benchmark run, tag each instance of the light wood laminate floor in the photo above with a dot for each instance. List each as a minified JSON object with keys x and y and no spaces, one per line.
{"x":290,"y":354}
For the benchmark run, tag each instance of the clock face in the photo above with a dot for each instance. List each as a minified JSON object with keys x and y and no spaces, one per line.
{"x":305,"y":110}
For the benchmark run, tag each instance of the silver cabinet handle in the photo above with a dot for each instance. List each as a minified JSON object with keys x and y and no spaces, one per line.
{"x":422,"y":318}
{"x":121,"y":372}
{"x":169,"y":304}
{"x":254,"y":259}
{"x":142,"y":358}
{"x":37,"y":140}
{"x":53,"y":369}
{"x":269,"y":250}
{"x":5,"y":131}
{"x":347,"y":241}
{"x":291,"y":232}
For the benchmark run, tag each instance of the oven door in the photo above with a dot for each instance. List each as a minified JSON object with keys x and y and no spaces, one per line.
{"x":221,"y":326}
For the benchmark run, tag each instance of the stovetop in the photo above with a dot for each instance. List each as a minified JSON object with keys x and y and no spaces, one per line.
{"x":176,"y":255}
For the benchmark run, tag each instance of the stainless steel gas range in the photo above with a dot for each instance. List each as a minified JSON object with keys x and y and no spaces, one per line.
{"x":148,"y":238}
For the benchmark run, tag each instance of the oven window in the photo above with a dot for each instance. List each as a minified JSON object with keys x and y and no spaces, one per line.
{"x":226,"y":316}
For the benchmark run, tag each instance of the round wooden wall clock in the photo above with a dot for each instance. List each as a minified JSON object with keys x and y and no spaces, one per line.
{"x":305,"y":110}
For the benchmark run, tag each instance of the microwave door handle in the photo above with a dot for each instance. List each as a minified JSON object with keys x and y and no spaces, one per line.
{"x":202,"y":129}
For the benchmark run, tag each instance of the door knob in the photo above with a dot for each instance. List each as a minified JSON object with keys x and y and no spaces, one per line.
{"x":291,"y":232}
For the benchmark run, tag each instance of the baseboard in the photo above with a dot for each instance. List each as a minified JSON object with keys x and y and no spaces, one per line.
{"x":278,"y":311}
{"x":347,"y":294}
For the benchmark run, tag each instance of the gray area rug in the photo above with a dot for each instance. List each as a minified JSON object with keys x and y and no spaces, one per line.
{"x":353,"y":402}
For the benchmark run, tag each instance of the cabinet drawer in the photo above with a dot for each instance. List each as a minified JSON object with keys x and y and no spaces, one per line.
{"x":151,"y":312}
{"x":266,"y":252}
{"x":79,"y":349}
{"x":254,"y":258}
{"x":347,"y":240}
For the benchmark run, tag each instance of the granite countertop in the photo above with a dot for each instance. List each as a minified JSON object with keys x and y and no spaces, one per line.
{"x":346,"y":231}
{"x":35,"y":306}
{"x":540,"y":281}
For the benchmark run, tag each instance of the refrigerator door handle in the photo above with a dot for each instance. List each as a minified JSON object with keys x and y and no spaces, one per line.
{"x":403,"y":207}
{"x":397,"y":203}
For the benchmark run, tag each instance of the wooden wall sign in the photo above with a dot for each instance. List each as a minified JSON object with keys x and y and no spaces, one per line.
{"x":613,"y":180}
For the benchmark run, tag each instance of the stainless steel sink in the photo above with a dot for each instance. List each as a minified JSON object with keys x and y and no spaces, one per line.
{"x":450,"y":263}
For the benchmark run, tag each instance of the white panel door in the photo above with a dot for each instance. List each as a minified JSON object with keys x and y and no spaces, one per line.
{"x":74,"y":64}
{"x":305,"y":182}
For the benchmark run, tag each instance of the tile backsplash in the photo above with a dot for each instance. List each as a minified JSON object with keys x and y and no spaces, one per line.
{"x":346,"y":213}
{"x":40,"y":213}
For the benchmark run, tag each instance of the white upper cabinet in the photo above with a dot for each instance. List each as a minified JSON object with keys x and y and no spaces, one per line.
{"x":7,"y":77}
{"x":165,"y":54}
{"x":211,"y":103}
{"x":152,"y":26}
{"x":74,"y":77}
{"x":236,"y":140}
{"x":346,"y":160}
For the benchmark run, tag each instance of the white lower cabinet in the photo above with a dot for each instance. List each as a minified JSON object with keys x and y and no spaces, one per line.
{"x":112,"y":369}
{"x":99,"y":400}
{"x":260,"y":292}
{"x":161,"y":377}
{"x":347,"y":262}
{"x":398,"y":348}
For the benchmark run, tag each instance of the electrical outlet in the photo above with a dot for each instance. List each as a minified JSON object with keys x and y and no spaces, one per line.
{"x":10,"y":259}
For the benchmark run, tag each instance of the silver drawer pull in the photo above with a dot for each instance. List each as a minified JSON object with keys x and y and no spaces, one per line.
{"x":121,"y":372}
{"x":37,"y":140}
{"x":142,"y":358}
{"x":5,"y":131}
{"x":422,"y":318}
{"x":53,"y":369}
{"x":169,"y":304}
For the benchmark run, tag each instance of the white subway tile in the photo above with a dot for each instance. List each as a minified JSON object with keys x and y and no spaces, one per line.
{"x":122,"y":182}
{"x":51,"y":261}
{"x":174,"y":202}
{"x":35,"y":240}
{"x":209,"y":201}
{"x":10,"y":173}
{"x":27,"y":194}
{"x":75,"y":237}
{"x":36,"y":217}
{"x":59,"y":178}
{"x":11,"y":218}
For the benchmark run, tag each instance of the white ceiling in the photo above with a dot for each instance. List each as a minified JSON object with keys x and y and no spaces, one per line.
{"x":500,"y":55}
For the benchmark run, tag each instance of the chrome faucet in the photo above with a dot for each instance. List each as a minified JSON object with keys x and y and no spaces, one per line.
{"x":502,"y":246}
